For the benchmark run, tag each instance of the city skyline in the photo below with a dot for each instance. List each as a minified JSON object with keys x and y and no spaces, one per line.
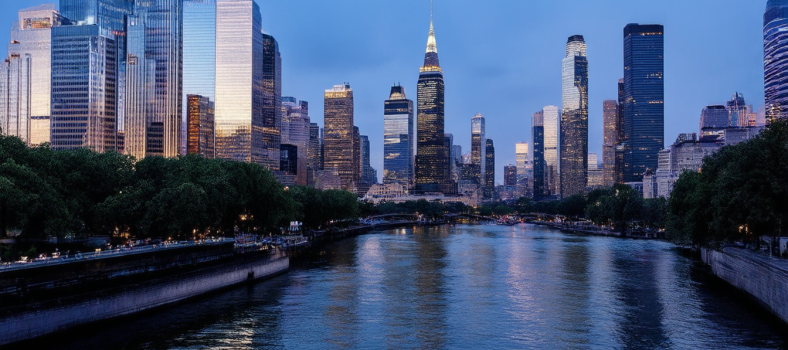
{"x":482,"y":83}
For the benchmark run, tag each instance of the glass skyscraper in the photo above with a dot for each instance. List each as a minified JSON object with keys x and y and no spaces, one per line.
{"x":239,"y":76}
{"x":551,"y":123}
{"x":478,"y":149}
{"x":25,"y":76}
{"x":338,"y":134}
{"x":199,"y":50}
{"x":295,"y":131}
{"x":644,"y":99}
{"x":199,"y":128}
{"x":524,"y":168}
{"x":540,"y":166}
{"x":574,"y":119}
{"x":433,"y":173}
{"x":398,"y":138}
{"x":775,"y":58}
{"x":272,"y":103}
{"x":489,"y":169}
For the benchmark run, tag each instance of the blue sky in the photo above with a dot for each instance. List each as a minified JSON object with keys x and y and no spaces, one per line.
{"x":503,"y":58}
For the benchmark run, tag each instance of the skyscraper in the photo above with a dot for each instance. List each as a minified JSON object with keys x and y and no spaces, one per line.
{"x":239,"y":77}
{"x":621,"y":138}
{"x":574,"y":119}
{"x":551,"y":123}
{"x":775,"y":58}
{"x":200,"y":132}
{"x":524,"y":169}
{"x":356,"y":157}
{"x":295,"y":131}
{"x":272,"y":105}
{"x":398,"y":138}
{"x":644,"y":96}
{"x":478,"y":149}
{"x":509,"y":175}
{"x":25,"y":76}
{"x":540,"y":186}
{"x":489,"y":170}
{"x":610,"y":139}
{"x":432,"y":159}
{"x":338,"y":145}
{"x":740,"y":114}
{"x":315,"y":161}
{"x":368,"y":174}
{"x":199,"y":54}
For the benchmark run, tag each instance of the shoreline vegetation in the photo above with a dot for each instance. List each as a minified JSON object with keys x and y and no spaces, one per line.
{"x":739,"y":197}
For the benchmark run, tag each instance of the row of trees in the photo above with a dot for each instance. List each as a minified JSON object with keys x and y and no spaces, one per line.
{"x":80,"y":192}
{"x":741,"y":194}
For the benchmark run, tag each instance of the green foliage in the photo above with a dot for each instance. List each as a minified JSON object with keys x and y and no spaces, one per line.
{"x":741,"y":194}
{"x":57,"y":193}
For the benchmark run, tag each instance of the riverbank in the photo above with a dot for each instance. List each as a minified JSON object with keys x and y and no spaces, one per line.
{"x":764,"y":278}
{"x":595,"y":230}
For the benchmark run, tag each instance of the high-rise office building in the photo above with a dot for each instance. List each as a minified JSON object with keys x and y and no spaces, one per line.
{"x":740,"y":114}
{"x":338,"y":144}
{"x":239,"y":81}
{"x":272,"y":105}
{"x":594,"y":172}
{"x":609,"y":141}
{"x":478,"y":149}
{"x":489,"y":170}
{"x":199,"y":55}
{"x":775,"y":58}
{"x":574,"y":118}
{"x":540,"y":185}
{"x":368,"y":174}
{"x":524,"y":169}
{"x":713,"y":118}
{"x":25,"y":76}
{"x":398,"y":138}
{"x":432,"y":159}
{"x":288,"y":159}
{"x":315,"y":159}
{"x":621,"y":136}
{"x":200,"y":132}
{"x":551,"y":117}
{"x":83,"y":105}
{"x":356,"y":156}
{"x":509,"y":175}
{"x":295,"y":131}
{"x":644,"y":97}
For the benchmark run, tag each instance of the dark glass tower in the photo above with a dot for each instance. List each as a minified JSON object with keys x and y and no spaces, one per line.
{"x":540,"y":182}
{"x":432,"y":157}
{"x":574,"y":118}
{"x":775,"y":58}
{"x":489,"y":170}
{"x":272,"y":103}
{"x":398,"y":138}
{"x":644,"y":97}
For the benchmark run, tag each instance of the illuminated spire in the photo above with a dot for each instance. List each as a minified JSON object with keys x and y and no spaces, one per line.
{"x":431,"y":63}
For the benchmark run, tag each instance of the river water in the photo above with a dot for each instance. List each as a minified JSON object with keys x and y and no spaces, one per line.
{"x":461,"y":287}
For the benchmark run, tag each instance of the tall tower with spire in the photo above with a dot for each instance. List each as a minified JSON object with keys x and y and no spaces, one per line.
{"x":433,"y":171}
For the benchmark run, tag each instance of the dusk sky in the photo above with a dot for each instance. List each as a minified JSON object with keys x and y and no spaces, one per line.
{"x":503,"y":58}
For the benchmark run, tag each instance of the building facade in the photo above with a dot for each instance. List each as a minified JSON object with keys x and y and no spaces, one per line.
{"x":270,"y":130}
{"x":510,"y":175}
{"x":295,"y":130}
{"x":398,"y":142}
{"x":574,"y":118}
{"x":489,"y":170}
{"x":551,"y":133}
{"x":200,"y":137}
{"x":540,"y":186}
{"x":644,"y":97}
{"x":775,"y":58}
{"x":239,"y":76}
{"x":199,"y":61}
{"x":478,"y":149}
{"x":524,"y":186}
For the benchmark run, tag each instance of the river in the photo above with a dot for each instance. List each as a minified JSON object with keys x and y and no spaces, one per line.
{"x":461,"y":287}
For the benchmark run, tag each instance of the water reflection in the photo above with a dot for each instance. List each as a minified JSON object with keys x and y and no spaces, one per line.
{"x":468,"y":287}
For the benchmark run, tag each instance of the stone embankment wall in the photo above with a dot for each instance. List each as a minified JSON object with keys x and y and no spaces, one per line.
{"x":38,"y":322}
{"x":763,"y":277}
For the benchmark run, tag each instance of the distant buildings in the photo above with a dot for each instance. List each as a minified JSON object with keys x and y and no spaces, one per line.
{"x":644,"y":97}
{"x":524,"y":185}
{"x":369,"y":176}
{"x":574,"y":118}
{"x":595,"y":173}
{"x":432,"y":157}
{"x":775,"y":58}
{"x":398,"y":142}
{"x":200,"y":138}
{"x":509,"y":175}
{"x":551,"y":127}
{"x":478,"y":150}
{"x":295,"y":131}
